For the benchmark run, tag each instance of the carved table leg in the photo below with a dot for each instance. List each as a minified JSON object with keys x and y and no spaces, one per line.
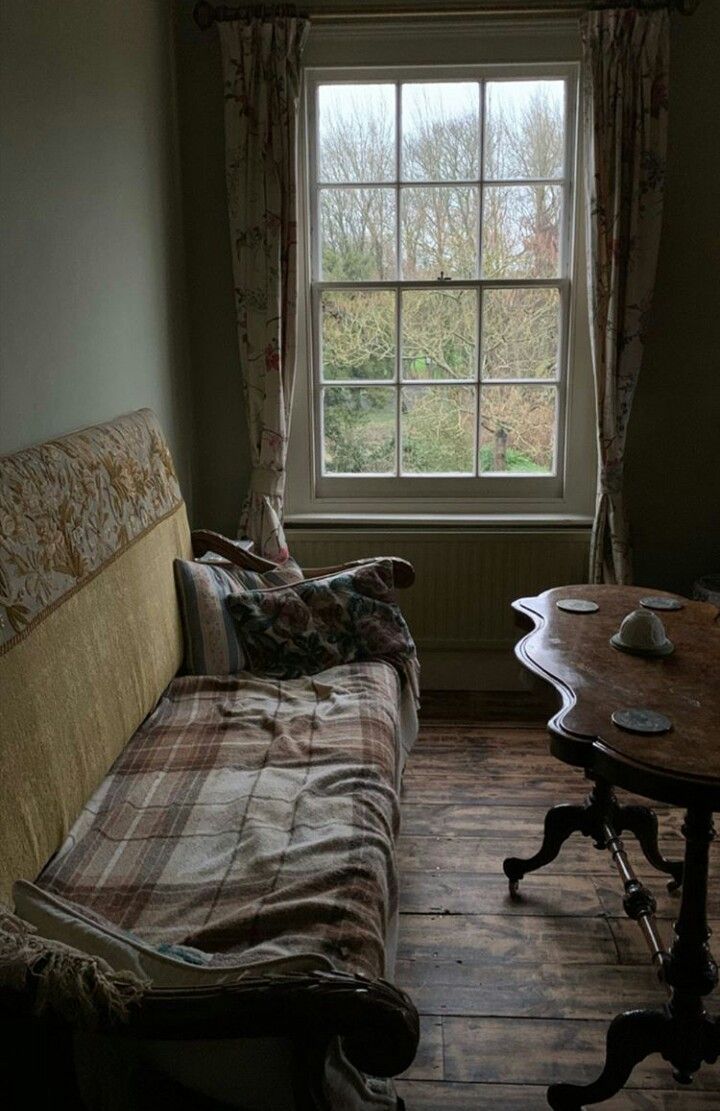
{"x":560,"y":822}
{"x":589,"y":819}
{"x":600,"y":810}
{"x":631,"y":1037}
{"x":642,"y":822}
{"x":682,"y":1032}
{"x":690,"y":969}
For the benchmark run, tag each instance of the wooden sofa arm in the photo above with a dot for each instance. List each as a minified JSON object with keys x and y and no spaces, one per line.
{"x":378,"y":1023}
{"x":204,"y":540}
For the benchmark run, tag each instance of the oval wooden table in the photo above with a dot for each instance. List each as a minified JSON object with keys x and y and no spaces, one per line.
{"x":572,"y":652}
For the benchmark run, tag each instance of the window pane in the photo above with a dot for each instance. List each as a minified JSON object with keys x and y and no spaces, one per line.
{"x":517,"y":429}
{"x":359,"y":430}
{"x":521,"y":231}
{"x":439,"y":232}
{"x":438,"y":333}
{"x":440,"y":131}
{"x":520,"y":333}
{"x":358,"y":334}
{"x":524,"y":129}
{"x":438,"y":429}
{"x":356,"y":132}
{"x":357,"y":230}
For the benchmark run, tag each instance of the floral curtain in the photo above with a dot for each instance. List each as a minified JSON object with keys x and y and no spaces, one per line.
{"x":625,"y":56}
{"x":261,"y":69}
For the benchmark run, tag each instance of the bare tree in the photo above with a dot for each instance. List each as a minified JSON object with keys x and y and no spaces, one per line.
{"x":438,"y":232}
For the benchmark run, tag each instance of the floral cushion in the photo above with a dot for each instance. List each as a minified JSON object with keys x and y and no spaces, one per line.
{"x":320,"y":623}
{"x":211,"y":643}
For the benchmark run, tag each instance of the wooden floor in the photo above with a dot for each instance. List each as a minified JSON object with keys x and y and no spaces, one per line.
{"x":514,"y":996}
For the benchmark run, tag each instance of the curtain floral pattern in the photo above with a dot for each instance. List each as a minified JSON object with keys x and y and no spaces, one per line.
{"x":625,"y":55}
{"x":261,"y":70}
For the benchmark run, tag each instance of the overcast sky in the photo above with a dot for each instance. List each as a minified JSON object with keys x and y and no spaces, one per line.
{"x":354,"y":105}
{"x":446,"y":98}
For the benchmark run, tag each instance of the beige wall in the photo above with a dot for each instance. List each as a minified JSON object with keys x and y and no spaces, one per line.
{"x":92,"y":261}
{"x":222,"y":462}
{"x":674,"y":449}
{"x":673,"y":470}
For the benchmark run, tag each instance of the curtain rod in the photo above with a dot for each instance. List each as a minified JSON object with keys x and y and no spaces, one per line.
{"x":205,"y":14}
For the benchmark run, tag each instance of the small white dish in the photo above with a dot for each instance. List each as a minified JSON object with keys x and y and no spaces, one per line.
{"x":642,"y":633}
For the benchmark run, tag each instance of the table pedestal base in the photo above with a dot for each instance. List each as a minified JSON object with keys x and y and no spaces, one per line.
{"x":634,"y":1035}
{"x":600,"y":810}
{"x":682,"y":1031}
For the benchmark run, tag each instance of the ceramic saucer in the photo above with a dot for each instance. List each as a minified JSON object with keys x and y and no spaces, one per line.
{"x":657,"y":602}
{"x":577,"y":605}
{"x":662,"y":650}
{"x":638,"y":720}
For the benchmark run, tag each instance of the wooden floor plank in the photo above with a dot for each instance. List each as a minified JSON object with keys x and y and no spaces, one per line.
{"x":428,"y":1063}
{"x":516,"y":994}
{"x":484,"y":856}
{"x":470,"y":893}
{"x":595,"y":991}
{"x":476,"y":1049}
{"x":531,"y":707}
{"x":586,"y":896}
{"x":509,"y":822}
{"x":421,"y":1096}
{"x":498,"y":940}
{"x":630,"y":944}
{"x":436,"y":790}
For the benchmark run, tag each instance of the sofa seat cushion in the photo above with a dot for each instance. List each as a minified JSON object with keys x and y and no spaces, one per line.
{"x":252,"y":819}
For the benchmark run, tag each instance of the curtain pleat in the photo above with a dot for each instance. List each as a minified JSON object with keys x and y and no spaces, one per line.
{"x":625,"y":55}
{"x":262,"y":75}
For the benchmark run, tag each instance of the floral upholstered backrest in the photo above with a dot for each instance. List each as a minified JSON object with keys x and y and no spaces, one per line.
{"x":89,"y":623}
{"x":67,"y":506}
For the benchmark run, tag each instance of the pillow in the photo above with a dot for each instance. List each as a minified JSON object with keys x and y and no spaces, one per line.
{"x":211,"y":645}
{"x":319,"y":623}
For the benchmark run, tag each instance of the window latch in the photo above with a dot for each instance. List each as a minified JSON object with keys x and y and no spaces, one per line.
{"x":443,"y":277}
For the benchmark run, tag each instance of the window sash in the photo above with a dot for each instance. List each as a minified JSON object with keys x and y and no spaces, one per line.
{"x":481,"y":483}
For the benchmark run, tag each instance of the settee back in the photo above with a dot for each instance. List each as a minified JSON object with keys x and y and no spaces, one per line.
{"x":89,"y":623}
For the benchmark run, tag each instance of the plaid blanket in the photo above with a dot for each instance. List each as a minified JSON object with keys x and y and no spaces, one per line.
{"x":252,"y":819}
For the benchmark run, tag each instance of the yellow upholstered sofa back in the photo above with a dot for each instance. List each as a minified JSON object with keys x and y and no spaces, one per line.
{"x":89,"y":624}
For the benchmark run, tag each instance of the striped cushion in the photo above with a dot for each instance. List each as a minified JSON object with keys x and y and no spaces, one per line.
{"x":211,"y":643}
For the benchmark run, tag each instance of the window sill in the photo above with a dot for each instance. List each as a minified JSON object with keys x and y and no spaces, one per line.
{"x":437,"y":521}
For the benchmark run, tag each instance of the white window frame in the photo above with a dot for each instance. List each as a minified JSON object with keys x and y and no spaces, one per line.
{"x":565,"y":494}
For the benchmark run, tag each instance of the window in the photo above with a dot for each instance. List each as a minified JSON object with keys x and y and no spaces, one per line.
{"x":440,"y":249}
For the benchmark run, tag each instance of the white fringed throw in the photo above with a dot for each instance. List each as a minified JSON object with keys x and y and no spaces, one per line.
{"x":81,"y":989}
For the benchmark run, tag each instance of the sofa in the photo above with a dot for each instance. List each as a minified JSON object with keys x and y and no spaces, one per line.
{"x":198,"y":875}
